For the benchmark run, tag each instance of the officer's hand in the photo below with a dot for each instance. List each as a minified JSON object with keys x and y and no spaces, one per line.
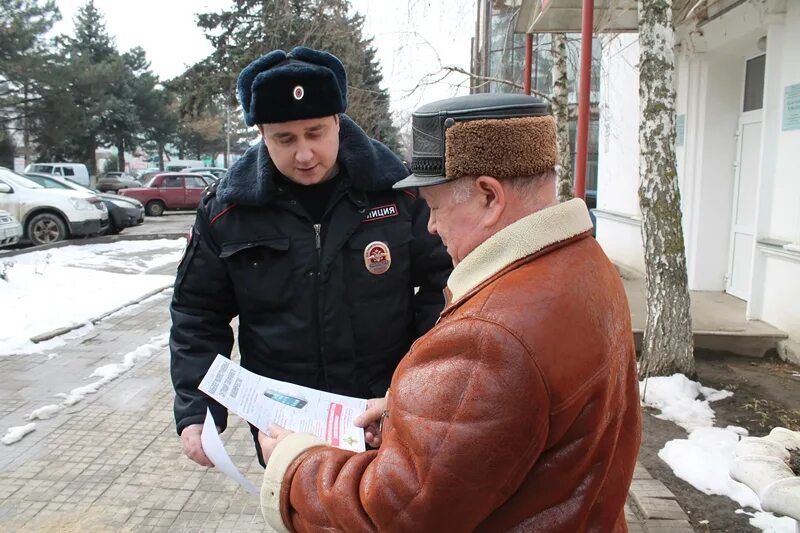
{"x":270,"y":439}
{"x":370,"y":420}
{"x":192,"y":446}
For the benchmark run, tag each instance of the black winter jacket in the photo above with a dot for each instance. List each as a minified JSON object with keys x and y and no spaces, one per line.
{"x":309,"y":310}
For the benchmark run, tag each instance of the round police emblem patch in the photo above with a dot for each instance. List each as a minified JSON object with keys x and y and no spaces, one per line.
{"x":377,"y":257}
{"x":299,"y":92}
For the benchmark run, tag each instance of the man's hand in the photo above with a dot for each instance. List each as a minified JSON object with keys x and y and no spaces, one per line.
{"x":192,"y":446}
{"x":370,"y":420}
{"x":270,"y":439}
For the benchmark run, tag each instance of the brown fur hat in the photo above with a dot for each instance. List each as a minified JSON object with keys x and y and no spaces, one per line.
{"x":502,"y":148}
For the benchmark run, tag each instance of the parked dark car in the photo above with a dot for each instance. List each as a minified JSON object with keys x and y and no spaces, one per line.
{"x":122,"y":212}
{"x":148,"y":174}
{"x":170,"y":190}
{"x":114,"y":181}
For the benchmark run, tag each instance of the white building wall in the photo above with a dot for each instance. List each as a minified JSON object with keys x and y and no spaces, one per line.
{"x":784,"y":220}
{"x":618,"y":214}
{"x":710,"y":81}
{"x":776,"y":270}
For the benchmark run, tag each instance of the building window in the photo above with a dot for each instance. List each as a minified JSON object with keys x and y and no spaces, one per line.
{"x":754,"y":83}
{"x":505,"y":60}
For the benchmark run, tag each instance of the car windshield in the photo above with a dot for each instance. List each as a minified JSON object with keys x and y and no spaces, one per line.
{"x":48,"y":182}
{"x":16,"y":179}
{"x":150,"y":181}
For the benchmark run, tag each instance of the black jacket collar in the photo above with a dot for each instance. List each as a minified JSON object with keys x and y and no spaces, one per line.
{"x":370,"y":166}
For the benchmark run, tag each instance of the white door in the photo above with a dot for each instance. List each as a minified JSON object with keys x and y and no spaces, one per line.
{"x":748,"y":157}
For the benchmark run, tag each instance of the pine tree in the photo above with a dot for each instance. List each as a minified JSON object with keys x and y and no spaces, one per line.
{"x":159,"y":118}
{"x":91,"y":41}
{"x":26,"y":72}
{"x":667,"y":343}
{"x":86,"y":103}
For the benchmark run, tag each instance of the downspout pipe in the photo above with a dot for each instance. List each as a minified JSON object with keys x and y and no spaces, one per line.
{"x":581,"y":148}
{"x":526,"y":76}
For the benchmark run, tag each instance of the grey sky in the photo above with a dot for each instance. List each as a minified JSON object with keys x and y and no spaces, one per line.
{"x":413,"y":38}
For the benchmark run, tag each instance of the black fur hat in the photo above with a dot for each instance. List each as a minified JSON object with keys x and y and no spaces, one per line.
{"x":305,"y":83}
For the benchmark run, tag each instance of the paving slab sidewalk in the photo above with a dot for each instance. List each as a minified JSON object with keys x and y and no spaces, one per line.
{"x":113,"y":462}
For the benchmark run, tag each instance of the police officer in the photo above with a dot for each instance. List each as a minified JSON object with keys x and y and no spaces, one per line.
{"x":332,"y":272}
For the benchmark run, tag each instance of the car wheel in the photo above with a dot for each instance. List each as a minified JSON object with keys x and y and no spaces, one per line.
{"x":112,"y":228}
{"x":46,"y":228}
{"x":155,"y":208}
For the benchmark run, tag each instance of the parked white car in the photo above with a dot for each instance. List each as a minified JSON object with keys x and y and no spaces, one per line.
{"x":10,"y":229}
{"x":50,"y":215}
{"x":76,"y":172}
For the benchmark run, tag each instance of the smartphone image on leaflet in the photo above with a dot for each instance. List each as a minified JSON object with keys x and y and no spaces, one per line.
{"x":291,"y":401}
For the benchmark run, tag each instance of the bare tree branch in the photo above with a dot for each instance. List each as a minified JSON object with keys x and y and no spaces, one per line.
{"x":452,"y":69}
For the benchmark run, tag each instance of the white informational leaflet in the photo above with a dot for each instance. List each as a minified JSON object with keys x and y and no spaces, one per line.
{"x":264,"y":401}
{"x":215,"y":451}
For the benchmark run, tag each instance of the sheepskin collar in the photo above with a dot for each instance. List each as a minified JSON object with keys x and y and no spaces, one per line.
{"x":524,"y":237}
{"x":369,"y":166}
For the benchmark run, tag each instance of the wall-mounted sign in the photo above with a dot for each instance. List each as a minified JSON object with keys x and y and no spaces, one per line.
{"x":791,"y":107}
{"x":680,"y":126}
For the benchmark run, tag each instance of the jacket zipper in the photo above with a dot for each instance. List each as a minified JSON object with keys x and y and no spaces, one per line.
{"x":320,"y":355}
{"x":317,"y":234}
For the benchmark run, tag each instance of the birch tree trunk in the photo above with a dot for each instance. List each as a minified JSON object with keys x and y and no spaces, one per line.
{"x":561,"y":111}
{"x":667,"y":344}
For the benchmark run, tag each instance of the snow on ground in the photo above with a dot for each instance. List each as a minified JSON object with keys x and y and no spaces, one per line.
{"x":73,"y":285}
{"x":26,"y":346}
{"x":768,"y":522}
{"x":105,"y":373}
{"x":704,"y":458}
{"x":679,"y":400}
{"x":132,"y":257}
{"x":16,"y":433}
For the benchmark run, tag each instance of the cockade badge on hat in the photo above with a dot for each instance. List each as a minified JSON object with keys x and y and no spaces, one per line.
{"x":299,"y":92}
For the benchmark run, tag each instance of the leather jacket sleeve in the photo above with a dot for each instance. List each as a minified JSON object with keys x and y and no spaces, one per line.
{"x":430,"y":268}
{"x":202,"y":308}
{"x":467,"y":417}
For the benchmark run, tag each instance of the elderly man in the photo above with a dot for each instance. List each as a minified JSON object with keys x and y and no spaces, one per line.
{"x":519,"y":410}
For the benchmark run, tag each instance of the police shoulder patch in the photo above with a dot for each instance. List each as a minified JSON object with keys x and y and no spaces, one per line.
{"x":381,"y":212}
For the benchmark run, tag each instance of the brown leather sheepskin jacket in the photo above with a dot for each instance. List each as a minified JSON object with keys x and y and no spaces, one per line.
{"x":518,"y":411}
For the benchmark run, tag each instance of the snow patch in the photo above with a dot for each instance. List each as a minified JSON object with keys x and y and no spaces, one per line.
{"x":130,"y":257}
{"x":43,"y":413}
{"x":704,"y":460}
{"x":677,"y":397}
{"x":106,"y":373}
{"x":25,"y":346}
{"x":70,"y":286}
{"x":769,"y":522}
{"x":14,"y":434}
